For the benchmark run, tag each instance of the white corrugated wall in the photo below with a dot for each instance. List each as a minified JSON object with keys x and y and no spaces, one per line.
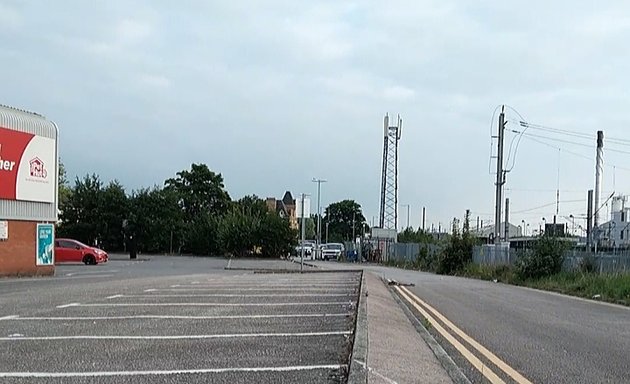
{"x":38,"y":125}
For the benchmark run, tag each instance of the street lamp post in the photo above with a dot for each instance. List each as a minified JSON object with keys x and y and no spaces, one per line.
{"x":572,"y":224}
{"x":319,"y":216}
{"x":524,"y":228}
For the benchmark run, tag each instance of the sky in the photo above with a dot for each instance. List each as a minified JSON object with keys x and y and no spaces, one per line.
{"x":273,"y":93}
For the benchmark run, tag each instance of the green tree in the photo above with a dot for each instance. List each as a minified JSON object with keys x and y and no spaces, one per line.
{"x":458,"y":250}
{"x":156,"y":220}
{"x":201,"y":236}
{"x":252,"y":205}
{"x":113,"y":210}
{"x":419,"y":236}
{"x":81,"y":214}
{"x":276,"y":236}
{"x":200,"y":190}
{"x":341,"y":217}
{"x":65,"y":191}
{"x":238,"y":233}
{"x":309,"y":230}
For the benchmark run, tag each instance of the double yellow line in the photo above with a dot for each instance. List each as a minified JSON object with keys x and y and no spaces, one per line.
{"x":431,"y":314}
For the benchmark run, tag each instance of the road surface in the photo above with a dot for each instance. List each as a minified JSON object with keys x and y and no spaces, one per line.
{"x":546,"y":337}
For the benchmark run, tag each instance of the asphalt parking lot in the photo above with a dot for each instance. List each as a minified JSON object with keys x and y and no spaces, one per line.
{"x":219,"y":327}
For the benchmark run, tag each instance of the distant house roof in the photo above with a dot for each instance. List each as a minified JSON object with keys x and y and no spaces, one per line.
{"x":487,"y":230}
{"x":281,"y":208}
{"x":288,"y":199}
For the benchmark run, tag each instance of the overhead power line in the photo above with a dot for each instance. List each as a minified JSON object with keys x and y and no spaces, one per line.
{"x":574,"y":153}
{"x":532,"y":135}
{"x":525,"y":124}
{"x":560,"y":149}
{"x":548,"y":205}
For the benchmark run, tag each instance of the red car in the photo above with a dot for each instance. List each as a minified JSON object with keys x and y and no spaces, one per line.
{"x":68,"y":250}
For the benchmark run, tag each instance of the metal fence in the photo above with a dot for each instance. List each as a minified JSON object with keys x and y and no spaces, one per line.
{"x":574,"y":259}
{"x":492,"y":255}
{"x":409,"y":251}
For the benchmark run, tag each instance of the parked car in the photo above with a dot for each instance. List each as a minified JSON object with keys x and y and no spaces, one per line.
{"x":332,"y":251}
{"x":69,"y":250}
{"x":308,"y":250}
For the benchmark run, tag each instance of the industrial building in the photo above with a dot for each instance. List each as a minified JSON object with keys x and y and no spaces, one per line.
{"x":28,"y":192}
{"x":615,"y":233}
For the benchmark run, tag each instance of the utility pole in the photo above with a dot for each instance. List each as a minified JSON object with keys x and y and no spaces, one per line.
{"x":599,"y":170}
{"x":353,"y":220}
{"x":507,"y":220}
{"x":500,"y":178}
{"x":318,"y":240}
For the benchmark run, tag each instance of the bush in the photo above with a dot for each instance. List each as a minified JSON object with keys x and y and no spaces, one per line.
{"x":426,"y":261}
{"x":544,"y":259}
{"x":456,"y":255}
{"x":275,"y":236}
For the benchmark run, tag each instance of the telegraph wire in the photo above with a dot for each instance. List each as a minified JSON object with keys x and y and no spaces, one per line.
{"x":559,"y":131}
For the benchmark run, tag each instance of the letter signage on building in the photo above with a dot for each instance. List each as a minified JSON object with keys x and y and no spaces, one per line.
{"x":28,"y":167}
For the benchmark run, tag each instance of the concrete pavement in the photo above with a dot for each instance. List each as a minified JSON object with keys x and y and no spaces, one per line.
{"x":396,"y":352}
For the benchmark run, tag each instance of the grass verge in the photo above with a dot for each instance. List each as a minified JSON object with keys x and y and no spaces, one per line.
{"x":613,"y":288}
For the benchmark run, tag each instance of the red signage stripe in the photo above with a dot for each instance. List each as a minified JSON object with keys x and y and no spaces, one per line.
{"x":12,"y":146}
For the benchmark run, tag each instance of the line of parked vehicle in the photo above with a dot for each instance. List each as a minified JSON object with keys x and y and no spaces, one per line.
{"x":69,"y":250}
{"x":329,"y":251}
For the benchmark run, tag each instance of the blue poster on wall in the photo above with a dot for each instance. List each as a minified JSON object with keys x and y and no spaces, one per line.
{"x":45,"y":244}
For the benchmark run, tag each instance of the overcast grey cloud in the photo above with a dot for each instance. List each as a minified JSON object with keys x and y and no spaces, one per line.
{"x":273,"y":93}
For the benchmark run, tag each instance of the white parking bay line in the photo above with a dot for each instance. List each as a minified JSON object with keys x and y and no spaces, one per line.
{"x":48,"y":279}
{"x":237,"y":295}
{"x":164,"y":373}
{"x":285,"y":286}
{"x":178,"y":317}
{"x":206,"y":304}
{"x":91,"y":272}
{"x":176,"y":337}
{"x":250,"y":289}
